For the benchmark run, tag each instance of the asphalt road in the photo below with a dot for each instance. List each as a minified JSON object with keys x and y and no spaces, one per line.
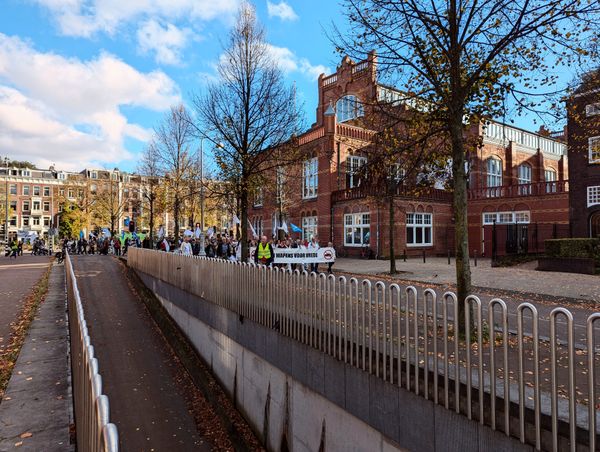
{"x":140,"y":376}
{"x":17,"y":279}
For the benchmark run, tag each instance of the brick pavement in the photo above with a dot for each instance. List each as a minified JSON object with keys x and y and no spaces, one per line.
{"x":522,"y":278}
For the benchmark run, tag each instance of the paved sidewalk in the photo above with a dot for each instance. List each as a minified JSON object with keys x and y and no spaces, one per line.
{"x":17,"y":277}
{"x":523,"y":278}
{"x":34,"y":414}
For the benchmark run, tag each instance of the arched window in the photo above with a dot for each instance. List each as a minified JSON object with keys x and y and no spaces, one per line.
{"x":494,"y":172}
{"x":347,"y":108}
{"x":524,"y":179}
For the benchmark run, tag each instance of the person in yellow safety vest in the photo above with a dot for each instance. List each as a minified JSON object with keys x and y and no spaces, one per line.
{"x":264,"y":252}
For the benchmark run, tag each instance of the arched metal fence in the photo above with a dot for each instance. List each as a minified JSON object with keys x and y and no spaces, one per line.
{"x":528,"y":375}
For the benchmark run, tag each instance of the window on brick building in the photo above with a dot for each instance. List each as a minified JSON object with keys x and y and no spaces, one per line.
{"x":357,"y":229}
{"x":13,"y":189}
{"x":310,"y":179}
{"x":593,"y":195}
{"x":25,"y":206}
{"x":494,"y":172}
{"x":13,"y":221}
{"x":550,"y":179}
{"x":594,"y":149}
{"x":258,"y":197}
{"x":592,"y":109}
{"x":347,"y":108}
{"x":353,"y":170}
{"x":524,"y":173}
{"x":46,"y":221}
{"x":309,"y":227}
{"x":25,"y":221}
{"x":419,"y":229}
{"x":13,"y":205}
{"x":36,"y":190}
{"x":46,"y":191}
{"x":522,"y":216}
{"x":36,"y":221}
{"x":36,"y":205}
{"x":46,"y":206}
{"x":26,"y":190}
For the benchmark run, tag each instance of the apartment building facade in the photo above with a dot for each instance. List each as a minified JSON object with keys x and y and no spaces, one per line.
{"x":516,"y":177}
{"x":36,"y":198}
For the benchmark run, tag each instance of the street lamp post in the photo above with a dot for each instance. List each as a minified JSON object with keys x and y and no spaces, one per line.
{"x":202,"y":252}
{"x":6,"y":201}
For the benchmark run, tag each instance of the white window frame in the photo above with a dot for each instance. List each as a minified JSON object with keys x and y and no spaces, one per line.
{"x":508,"y":217}
{"x":13,"y":189}
{"x":310,"y":178}
{"x":61,"y":176}
{"x":353,"y":166}
{"x":36,"y":190}
{"x":26,"y":173}
{"x":258,"y":197}
{"x":39,"y":205}
{"x":348,"y":107}
{"x":46,"y":221}
{"x":94,"y":175}
{"x":550,"y":177}
{"x":493,"y":179}
{"x":419,"y":221}
{"x":28,"y":190}
{"x":46,"y":191}
{"x":594,"y":141}
{"x":357,"y":222}
{"x":524,"y":172}
{"x":592,"y":109}
{"x":35,"y":221}
{"x":46,"y":203}
{"x":309,"y":227}
{"x":593,"y":195}
{"x":26,"y":206}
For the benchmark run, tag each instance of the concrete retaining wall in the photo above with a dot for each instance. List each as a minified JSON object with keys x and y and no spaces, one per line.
{"x":302,"y":399}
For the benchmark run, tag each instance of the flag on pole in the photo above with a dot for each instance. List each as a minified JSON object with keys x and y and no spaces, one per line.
{"x":210,"y":232}
{"x":284,"y":226}
{"x":161,"y":232}
{"x":254,"y":234}
{"x":236,"y":220}
{"x":197,"y":233}
{"x":187,"y":233}
{"x":295,"y":228}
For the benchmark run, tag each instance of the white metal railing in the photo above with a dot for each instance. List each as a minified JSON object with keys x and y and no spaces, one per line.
{"x":502,"y":133}
{"x":95,"y":433}
{"x":505,"y":355}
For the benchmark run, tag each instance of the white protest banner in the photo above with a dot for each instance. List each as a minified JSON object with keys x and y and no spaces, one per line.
{"x":300,"y":255}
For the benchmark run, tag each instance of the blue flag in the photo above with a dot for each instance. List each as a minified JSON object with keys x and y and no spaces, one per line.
{"x":295,"y":228}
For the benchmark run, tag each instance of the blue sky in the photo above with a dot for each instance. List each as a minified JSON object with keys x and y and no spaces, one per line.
{"x":83,"y":82}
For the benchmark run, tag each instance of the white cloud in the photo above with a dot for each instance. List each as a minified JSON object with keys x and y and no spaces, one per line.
{"x":281,"y":10}
{"x":166,"y":42}
{"x":87,"y":17}
{"x":289,"y":62}
{"x":55,"y":109}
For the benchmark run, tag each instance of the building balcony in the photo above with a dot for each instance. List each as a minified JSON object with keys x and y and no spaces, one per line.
{"x":514,"y":191}
{"x":364,"y":191}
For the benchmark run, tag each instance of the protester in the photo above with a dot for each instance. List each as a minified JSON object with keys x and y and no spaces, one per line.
{"x":186,"y":247}
{"x":313,"y":245}
{"x":264,"y":252}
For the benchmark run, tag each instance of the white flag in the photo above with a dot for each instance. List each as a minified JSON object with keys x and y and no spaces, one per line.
{"x":254,"y":234}
{"x":284,"y":226}
{"x":210,"y":232}
{"x":236,"y":220}
{"x":197,"y":233}
{"x":161,"y":232}
{"x":187,"y":233}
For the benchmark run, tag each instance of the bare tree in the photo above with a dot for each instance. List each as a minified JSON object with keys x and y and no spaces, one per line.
{"x":150,"y":172}
{"x":249,"y":112}
{"x":462,"y":58}
{"x":109,"y":203}
{"x":173,"y":142}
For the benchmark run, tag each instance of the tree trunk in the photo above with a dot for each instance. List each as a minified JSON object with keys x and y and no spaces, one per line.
{"x":463,"y":267}
{"x":391,"y":233}
{"x":176,"y":215}
{"x":244,"y":221}
{"x":152,"y":221}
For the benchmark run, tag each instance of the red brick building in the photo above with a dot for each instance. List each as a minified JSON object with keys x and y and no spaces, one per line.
{"x":517,"y":178}
{"x":583,"y":110}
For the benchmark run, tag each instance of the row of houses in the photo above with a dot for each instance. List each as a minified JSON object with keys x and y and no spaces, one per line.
{"x":524,"y":187}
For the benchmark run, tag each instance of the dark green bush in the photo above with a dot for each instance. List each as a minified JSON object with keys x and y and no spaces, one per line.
{"x":589,"y":248}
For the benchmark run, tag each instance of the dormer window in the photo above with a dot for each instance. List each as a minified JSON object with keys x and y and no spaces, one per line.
{"x":26,"y":173}
{"x":348,"y":107}
{"x":94,"y":175}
